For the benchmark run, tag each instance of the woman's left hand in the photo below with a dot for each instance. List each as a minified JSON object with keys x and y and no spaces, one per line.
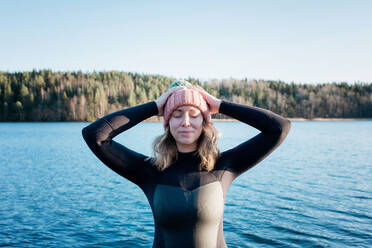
{"x":213,"y":102}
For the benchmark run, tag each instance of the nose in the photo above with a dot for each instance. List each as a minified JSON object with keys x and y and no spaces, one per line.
{"x":186,"y":120}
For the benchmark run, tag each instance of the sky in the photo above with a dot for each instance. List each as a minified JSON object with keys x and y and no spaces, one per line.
{"x":288,"y":40}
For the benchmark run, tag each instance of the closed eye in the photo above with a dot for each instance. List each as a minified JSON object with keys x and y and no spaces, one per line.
{"x":177,"y":114}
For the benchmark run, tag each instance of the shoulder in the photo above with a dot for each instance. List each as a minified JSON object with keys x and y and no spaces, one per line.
{"x":223,"y":161}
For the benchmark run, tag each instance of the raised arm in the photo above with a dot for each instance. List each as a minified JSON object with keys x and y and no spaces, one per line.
{"x":274,"y":128}
{"x":122,"y":160}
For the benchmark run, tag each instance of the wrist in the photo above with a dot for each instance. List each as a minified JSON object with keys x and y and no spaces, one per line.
{"x":218,"y":104}
{"x":159,"y":107}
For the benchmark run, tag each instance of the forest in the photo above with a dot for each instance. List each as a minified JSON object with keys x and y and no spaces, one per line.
{"x":46,"y":95}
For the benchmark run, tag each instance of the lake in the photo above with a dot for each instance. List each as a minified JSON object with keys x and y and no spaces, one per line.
{"x":315,"y":190}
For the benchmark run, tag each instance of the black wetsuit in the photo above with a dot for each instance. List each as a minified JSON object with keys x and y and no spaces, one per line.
{"x":187,"y":204}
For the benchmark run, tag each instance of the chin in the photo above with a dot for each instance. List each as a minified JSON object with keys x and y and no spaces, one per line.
{"x":187,"y":142}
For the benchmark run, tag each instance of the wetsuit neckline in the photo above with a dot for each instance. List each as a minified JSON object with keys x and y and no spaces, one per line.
{"x":188,"y":160}
{"x":187,"y":154}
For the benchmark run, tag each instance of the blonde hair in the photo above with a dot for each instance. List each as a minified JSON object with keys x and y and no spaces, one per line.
{"x":165,"y":149}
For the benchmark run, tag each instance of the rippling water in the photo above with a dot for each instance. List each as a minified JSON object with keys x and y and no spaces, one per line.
{"x":315,"y":190}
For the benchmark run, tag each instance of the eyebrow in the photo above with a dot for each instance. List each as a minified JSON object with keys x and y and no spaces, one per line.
{"x":191,"y":110}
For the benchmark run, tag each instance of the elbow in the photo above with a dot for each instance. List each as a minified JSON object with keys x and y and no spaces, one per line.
{"x":90,"y":136}
{"x":94,"y":134}
{"x":85,"y":133}
{"x":280,"y":135}
{"x":90,"y":139}
{"x":285,"y":127}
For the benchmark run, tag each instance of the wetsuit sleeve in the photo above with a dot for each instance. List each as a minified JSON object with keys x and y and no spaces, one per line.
{"x":124,"y":161}
{"x":274,"y":128}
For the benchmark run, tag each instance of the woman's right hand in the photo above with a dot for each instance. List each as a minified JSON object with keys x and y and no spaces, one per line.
{"x":163,"y":99}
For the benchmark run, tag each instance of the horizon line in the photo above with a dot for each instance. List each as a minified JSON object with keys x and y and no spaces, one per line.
{"x":200,"y":79}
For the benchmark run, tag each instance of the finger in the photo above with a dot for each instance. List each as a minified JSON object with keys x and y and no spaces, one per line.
{"x":175,"y":88}
{"x":205,"y":94}
{"x":170,"y":91}
{"x":199,"y":88}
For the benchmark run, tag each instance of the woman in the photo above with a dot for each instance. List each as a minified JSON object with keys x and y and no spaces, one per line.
{"x":187,"y":179}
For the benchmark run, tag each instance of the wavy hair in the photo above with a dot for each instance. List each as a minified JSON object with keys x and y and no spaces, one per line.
{"x":165,"y":149}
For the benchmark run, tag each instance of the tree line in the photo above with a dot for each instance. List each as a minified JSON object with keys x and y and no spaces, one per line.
{"x":44,"y":95}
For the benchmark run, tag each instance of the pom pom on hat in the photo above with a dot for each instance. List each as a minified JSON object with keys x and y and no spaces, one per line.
{"x":180,"y":82}
{"x":187,"y":95}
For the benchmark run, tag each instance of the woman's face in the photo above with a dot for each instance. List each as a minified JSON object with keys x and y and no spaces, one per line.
{"x":186,"y":126}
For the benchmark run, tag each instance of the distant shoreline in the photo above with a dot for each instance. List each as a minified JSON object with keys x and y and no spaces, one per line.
{"x":331,"y":119}
{"x":157,"y":119}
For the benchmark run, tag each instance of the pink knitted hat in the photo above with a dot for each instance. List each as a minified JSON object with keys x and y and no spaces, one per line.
{"x":185,"y":96}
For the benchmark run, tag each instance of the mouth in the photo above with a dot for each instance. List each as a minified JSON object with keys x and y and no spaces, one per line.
{"x":185,"y":132}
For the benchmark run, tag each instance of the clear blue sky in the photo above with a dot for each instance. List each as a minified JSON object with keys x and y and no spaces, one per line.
{"x":301,"y":41}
